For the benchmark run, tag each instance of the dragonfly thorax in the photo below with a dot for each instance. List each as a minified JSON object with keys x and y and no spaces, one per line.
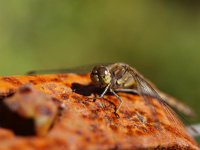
{"x":101,"y":76}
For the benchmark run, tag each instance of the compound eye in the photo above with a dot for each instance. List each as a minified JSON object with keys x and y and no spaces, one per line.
{"x":103,"y":71}
{"x":100,"y":76}
{"x":95,"y":72}
{"x":96,"y":77}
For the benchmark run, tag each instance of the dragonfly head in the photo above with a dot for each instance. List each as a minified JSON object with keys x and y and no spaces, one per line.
{"x":100,"y":76}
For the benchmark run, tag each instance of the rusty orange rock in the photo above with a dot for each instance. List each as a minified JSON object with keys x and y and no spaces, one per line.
{"x":89,"y":125}
{"x":28,"y":111}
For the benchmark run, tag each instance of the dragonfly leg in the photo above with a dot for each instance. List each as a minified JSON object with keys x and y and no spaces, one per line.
{"x":105,"y":90}
{"x":120,"y":100}
{"x":101,"y":96}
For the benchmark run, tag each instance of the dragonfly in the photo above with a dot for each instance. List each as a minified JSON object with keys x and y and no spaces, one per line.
{"x":121,"y":77}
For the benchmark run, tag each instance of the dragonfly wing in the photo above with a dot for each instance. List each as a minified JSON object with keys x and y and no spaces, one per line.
{"x":170,"y":100}
{"x":78,"y":70}
{"x":145,"y":88}
{"x":178,"y":105}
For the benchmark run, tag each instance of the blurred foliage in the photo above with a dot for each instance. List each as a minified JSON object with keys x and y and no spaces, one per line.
{"x":159,"y":38}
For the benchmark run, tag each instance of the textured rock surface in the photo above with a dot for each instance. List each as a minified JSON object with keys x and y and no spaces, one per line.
{"x":81,"y":124}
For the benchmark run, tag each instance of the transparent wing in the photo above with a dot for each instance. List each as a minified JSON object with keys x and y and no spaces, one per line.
{"x":78,"y":70}
{"x":144,"y":87}
{"x":170,"y":100}
{"x":178,"y":105}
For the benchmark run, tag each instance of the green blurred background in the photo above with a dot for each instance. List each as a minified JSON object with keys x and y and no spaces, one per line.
{"x":160,"y":38}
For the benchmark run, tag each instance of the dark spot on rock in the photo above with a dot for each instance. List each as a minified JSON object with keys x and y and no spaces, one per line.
{"x":33,"y":82}
{"x":129,"y":127}
{"x":41,"y":80}
{"x":56,"y":101}
{"x":68,"y":84}
{"x":56,"y":80}
{"x":115,"y":147}
{"x":93,"y":127}
{"x":64,"y":96}
{"x":139,"y":132}
{"x":144,"y":129}
{"x":84,"y":116}
{"x":148,"y":119}
{"x":86,"y":102}
{"x":12,"y":80}
{"x":128,"y":114}
{"x":114,"y":127}
{"x":25,"y":89}
{"x":88,"y":139}
{"x":130,"y":130}
{"x":77,"y":98}
{"x":93,"y":115}
{"x":79,"y":132}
